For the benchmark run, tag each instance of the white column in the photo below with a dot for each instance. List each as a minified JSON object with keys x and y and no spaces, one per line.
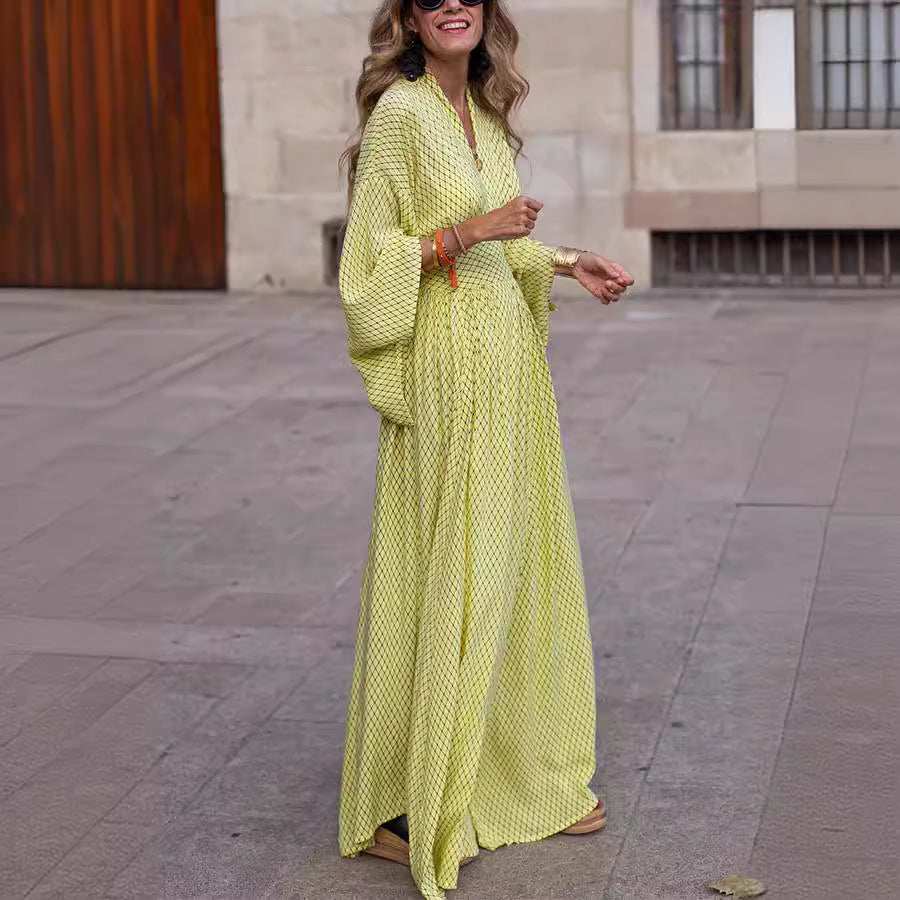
{"x":774,"y":84}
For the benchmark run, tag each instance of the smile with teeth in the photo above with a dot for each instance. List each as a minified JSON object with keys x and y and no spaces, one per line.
{"x":454,"y":26}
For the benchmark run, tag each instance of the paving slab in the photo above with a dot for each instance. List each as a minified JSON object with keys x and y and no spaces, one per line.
{"x":41,"y":738}
{"x":167,"y":641}
{"x":179,"y":774}
{"x":671,"y":851}
{"x":36,"y":682}
{"x":661,"y":583}
{"x":719,"y":449}
{"x":804,"y":452}
{"x":833,"y":795}
{"x":263,"y":780}
{"x":93,"y":368}
{"x":186,"y":489}
{"x":628,"y":460}
{"x":835,"y":876}
{"x":213,"y":856}
{"x":100,"y":521}
{"x":47,"y":817}
{"x":766,"y":577}
{"x":86,"y":871}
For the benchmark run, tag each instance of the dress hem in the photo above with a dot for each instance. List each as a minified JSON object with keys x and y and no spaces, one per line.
{"x":543,"y":833}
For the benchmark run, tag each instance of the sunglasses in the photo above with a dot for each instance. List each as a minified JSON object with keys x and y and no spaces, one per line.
{"x":432,"y":5}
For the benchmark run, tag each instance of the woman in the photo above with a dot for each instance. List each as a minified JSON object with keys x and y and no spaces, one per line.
{"x":472,"y":712}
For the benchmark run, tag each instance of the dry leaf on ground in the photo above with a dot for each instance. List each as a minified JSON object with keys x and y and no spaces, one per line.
{"x":739,"y":886}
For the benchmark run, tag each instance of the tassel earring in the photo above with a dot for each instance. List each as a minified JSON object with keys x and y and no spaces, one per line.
{"x":412,"y":60}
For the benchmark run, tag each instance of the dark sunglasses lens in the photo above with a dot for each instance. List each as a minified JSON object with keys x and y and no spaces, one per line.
{"x":431,"y":5}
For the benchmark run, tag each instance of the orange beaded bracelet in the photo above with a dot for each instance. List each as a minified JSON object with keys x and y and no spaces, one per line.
{"x":446,"y":259}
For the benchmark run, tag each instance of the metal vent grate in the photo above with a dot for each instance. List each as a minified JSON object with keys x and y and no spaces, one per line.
{"x":333,"y":245}
{"x":818,"y":258}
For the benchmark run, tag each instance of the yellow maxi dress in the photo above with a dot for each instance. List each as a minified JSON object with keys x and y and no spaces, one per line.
{"x":472,"y":707}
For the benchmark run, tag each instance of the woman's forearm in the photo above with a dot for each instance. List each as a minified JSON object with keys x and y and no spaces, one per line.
{"x":565,"y":259}
{"x":468,"y":231}
{"x":428,"y":260}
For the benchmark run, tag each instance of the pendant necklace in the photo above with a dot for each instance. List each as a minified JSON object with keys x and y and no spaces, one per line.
{"x":473,"y":146}
{"x":477,"y":157}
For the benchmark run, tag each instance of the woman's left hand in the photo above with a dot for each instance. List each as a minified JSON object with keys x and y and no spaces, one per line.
{"x":604,"y":279}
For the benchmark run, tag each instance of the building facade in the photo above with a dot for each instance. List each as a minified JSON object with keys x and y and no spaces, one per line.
{"x":698,"y":141}
{"x":289,"y":69}
{"x":195,"y":143}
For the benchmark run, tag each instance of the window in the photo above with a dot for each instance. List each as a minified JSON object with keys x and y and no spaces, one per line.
{"x":706,"y":63}
{"x":849,"y":63}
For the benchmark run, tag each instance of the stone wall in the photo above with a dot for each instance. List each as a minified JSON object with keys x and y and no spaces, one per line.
{"x":288,"y":71}
{"x":766,"y":180}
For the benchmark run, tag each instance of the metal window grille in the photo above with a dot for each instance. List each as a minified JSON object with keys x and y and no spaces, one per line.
{"x":818,"y":258}
{"x":854,"y":60}
{"x":706,"y":63}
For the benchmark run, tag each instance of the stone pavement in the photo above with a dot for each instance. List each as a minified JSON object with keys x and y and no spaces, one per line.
{"x":185,"y":491}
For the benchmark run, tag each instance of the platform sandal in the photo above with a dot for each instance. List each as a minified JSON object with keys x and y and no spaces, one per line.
{"x":593,"y":821}
{"x":392,"y":843}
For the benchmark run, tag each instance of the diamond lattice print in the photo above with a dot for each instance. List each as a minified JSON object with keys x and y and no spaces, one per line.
{"x":472,"y":707}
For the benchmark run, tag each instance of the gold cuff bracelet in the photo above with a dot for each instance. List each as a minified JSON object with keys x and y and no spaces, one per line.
{"x":566,"y":258}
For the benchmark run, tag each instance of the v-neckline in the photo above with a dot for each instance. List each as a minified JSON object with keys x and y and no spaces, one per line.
{"x":470,"y":105}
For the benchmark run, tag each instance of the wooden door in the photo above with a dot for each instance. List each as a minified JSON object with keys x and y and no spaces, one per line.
{"x":110,"y":153}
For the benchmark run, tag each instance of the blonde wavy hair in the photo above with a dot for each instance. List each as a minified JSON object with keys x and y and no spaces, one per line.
{"x":496,"y":84}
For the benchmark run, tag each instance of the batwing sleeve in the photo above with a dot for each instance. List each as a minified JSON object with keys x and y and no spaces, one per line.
{"x":531,"y":263}
{"x":381,"y":265}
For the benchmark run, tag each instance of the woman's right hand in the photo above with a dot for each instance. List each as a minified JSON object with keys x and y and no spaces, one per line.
{"x":515,"y":220}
